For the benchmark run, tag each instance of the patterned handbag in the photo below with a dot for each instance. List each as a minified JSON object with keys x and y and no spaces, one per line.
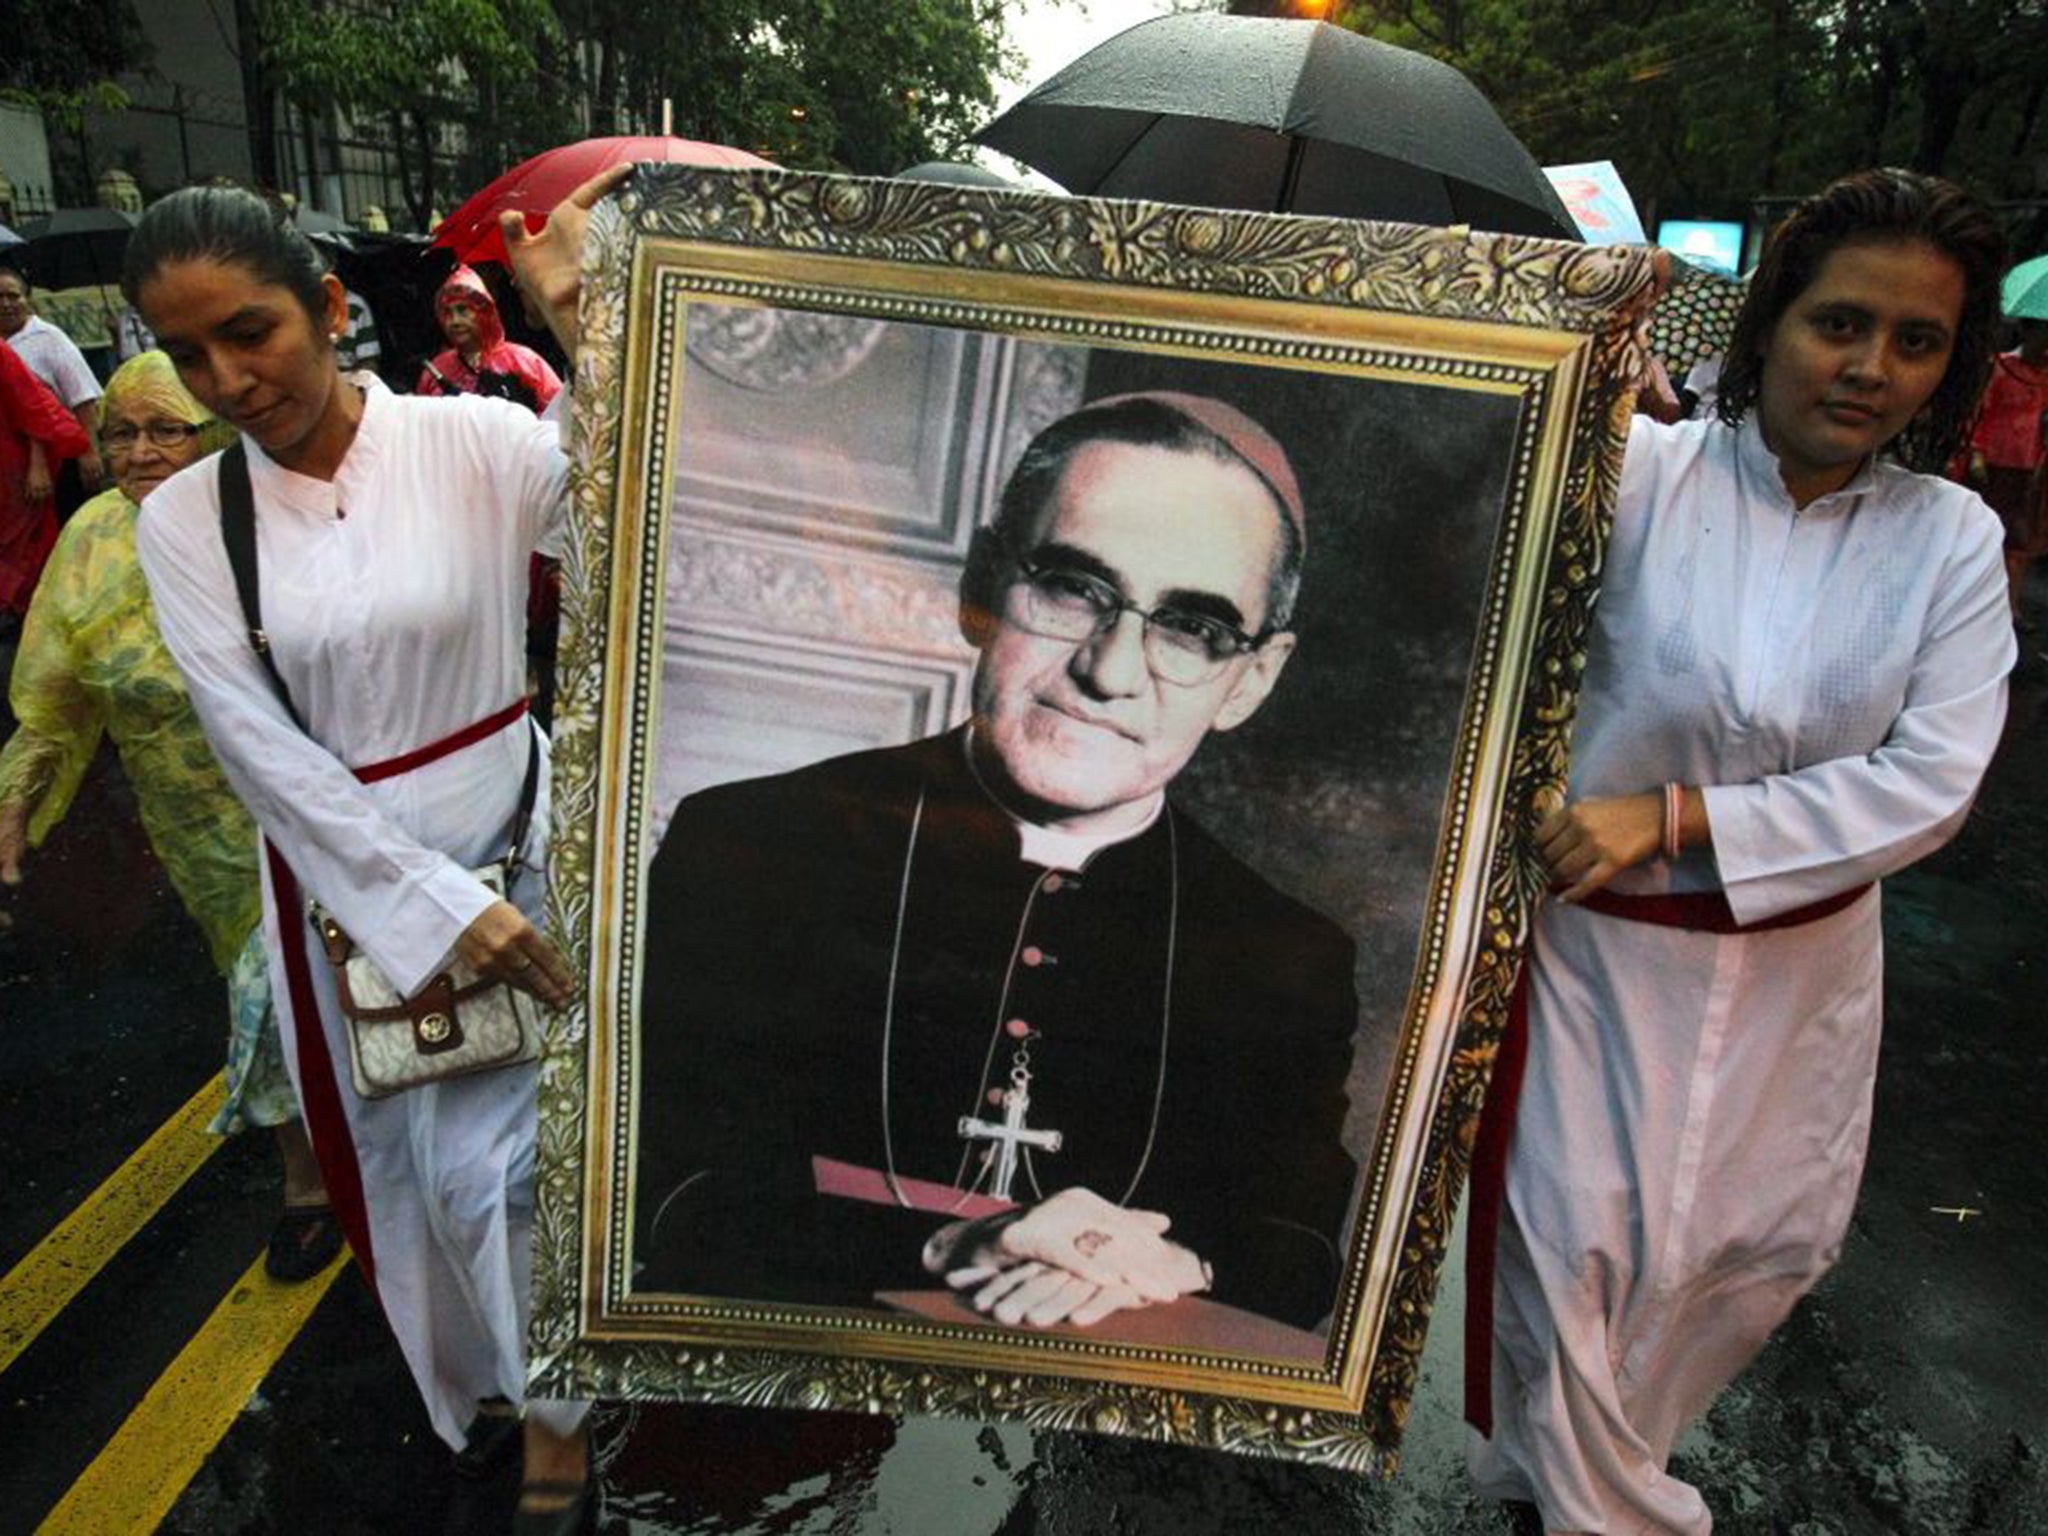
{"x":456,"y":1024}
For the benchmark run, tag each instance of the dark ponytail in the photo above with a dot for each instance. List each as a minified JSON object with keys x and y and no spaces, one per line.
{"x":226,"y":224}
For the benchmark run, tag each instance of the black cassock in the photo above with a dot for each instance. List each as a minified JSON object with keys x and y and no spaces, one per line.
{"x":1207,"y":1083}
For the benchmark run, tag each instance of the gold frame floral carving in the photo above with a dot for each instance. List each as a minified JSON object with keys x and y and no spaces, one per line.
{"x":1556,"y":326}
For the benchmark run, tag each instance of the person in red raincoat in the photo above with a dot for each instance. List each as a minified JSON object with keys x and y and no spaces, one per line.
{"x":2007,"y":449}
{"x":480,"y":361}
{"x":483,"y":362}
{"x":36,"y":435}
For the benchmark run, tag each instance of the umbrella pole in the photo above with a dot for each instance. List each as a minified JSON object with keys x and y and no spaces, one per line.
{"x":1297,"y":149}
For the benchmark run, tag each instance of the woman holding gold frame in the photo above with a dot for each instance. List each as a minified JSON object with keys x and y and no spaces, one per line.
{"x":382,"y":745}
{"x":1796,"y":680}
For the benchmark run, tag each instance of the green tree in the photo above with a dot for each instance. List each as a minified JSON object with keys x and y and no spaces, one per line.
{"x":429,"y":72}
{"x":60,"y":59}
{"x":62,"y":55}
{"x":861,"y":85}
{"x":1953,"y":86}
{"x":1705,"y":105}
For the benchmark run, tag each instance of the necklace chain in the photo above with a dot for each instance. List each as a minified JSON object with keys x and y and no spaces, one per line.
{"x":1021,"y":1059}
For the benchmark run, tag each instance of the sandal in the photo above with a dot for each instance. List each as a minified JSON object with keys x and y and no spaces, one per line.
{"x":304,"y":1242}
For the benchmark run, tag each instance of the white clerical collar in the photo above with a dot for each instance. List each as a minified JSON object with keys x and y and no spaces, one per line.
{"x":1072,"y":850}
{"x":1052,"y":847}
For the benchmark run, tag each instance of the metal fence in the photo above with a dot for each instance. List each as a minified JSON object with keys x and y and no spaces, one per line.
{"x":334,"y":172}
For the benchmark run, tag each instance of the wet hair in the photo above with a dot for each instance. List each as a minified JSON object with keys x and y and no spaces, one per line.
{"x":1883,"y":207}
{"x":230,"y":225}
{"x":1143,"y":422}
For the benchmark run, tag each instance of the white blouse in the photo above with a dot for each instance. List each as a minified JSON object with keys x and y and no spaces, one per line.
{"x":1833,"y":674}
{"x":394,"y":597}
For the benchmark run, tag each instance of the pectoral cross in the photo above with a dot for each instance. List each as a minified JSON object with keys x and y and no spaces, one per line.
{"x":1008,"y":1136}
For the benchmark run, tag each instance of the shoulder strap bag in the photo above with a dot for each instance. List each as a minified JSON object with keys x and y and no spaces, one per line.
{"x":458,"y":1023}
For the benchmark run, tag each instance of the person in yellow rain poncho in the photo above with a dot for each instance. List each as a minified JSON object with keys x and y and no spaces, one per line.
{"x":91,"y":662}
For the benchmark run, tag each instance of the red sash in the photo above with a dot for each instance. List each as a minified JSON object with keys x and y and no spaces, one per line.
{"x":319,"y":1089}
{"x":434,"y":751}
{"x":1709,"y":912}
{"x":1700,"y":911}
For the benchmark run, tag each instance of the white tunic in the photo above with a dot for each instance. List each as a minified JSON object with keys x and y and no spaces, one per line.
{"x":1693,"y":1120}
{"x":395,"y":601}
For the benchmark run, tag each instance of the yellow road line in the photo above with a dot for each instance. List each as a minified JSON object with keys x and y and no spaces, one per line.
{"x":58,"y":1267}
{"x":135,"y":1480}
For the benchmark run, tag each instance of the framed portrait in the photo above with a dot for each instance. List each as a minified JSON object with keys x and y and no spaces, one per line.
{"x":1052,"y":697}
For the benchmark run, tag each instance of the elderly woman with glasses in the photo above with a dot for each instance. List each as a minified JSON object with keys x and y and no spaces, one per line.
{"x":92,"y":662}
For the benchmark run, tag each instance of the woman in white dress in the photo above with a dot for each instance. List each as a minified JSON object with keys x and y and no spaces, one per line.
{"x":1795,"y":682}
{"x":393,"y":536}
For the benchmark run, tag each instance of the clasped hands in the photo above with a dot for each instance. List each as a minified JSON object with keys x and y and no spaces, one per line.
{"x":1074,"y":1258}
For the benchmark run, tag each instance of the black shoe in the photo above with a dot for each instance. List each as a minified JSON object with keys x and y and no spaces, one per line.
{"x":304,"y":1242}
{"x":568,"y":1508}
{"x":490,"y":1444}
{"x":1524,"y":1518}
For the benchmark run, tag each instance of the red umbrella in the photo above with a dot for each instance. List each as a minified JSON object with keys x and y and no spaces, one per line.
{"x":534,"y":187}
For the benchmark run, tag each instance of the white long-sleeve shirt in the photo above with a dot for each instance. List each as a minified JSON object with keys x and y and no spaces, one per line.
{"x":1834,"y":675}
{"x":394,"y":597}
{"x":395,"y":601}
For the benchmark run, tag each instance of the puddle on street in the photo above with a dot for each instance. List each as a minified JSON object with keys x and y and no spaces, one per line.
{"x":694,"y":1471}
{"x":684,"y":1471}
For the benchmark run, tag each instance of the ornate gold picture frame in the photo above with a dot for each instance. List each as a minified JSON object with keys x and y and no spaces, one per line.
{"x":800,"y":403}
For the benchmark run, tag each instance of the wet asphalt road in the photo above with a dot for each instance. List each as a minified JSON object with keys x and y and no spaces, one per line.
{"x":1909,"y":1394}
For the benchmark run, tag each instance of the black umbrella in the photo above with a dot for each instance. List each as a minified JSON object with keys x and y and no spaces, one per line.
{"x":955,"y":173}
{"x":75,"y":247}
{"x":1291,"y":116}
{"x":311,"y":221}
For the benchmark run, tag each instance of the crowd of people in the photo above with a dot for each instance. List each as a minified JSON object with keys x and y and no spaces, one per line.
{"x":1795,"y":683}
